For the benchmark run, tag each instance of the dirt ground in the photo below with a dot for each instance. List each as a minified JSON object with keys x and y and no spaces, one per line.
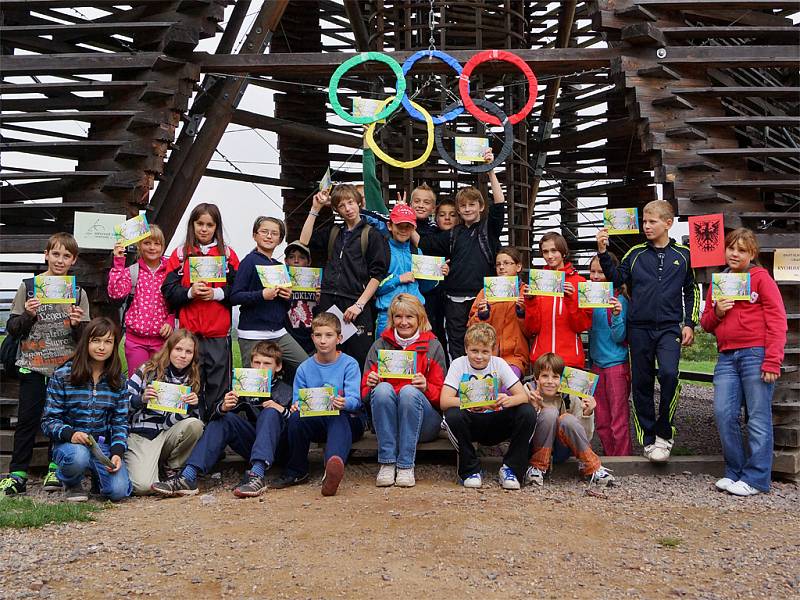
{"x":670,"y":536}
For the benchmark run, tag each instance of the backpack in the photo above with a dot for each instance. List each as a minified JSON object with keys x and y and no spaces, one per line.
{"x":483,"y":241}
{"x":364,"y":239}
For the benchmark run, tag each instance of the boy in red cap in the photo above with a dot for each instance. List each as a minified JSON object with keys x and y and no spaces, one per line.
{"x":402,"y":223}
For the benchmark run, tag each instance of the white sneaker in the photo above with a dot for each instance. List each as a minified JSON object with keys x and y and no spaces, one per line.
{"x":507,"y":478}
{"x":658,"y":451}
{"x":405,"y":478}
{"x":602,"y":478}
{"x":724,"y":484}
{"x":534,"y":475}
{"x":385,"y":476}
{"x":741,"y":488}
{"x":473,"y":481}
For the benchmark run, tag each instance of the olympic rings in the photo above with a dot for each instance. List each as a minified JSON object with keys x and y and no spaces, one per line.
{"x":409,"y":164}
{"x":448,"y":60}
{"x":355,"y":61}
{"x":488,"y":55}
{"x":508,"y":141}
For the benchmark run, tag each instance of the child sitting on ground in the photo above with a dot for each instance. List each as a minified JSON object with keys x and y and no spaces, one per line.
{"x":257,"y":437}
{"x":511,"y":417}
{"x":564,"y":426}
{"x":327,"y":367}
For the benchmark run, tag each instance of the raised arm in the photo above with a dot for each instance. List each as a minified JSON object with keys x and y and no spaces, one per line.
{"x":319,"y":200}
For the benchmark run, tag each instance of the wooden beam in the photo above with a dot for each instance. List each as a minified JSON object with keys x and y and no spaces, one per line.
{"x":90,"y":62}
{"x":353,"y":10}
{"x":298,"y":130}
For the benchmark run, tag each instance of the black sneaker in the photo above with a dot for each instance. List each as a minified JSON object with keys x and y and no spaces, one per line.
{"x":255,"y":486}
{"x":286,"y":480}
{"x":50,"y":483}
{"x":11,"y":485}
{"x":175,"y":486}
{"x":75,"y":494}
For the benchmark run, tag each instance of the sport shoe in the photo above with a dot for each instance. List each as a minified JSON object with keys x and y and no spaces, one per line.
{"x":507,"y":478}
{"x":602,"y":478}
{"x":175,"y":486}
{"x":473,"y":481}
{"x":661,"y":450}
{"x":75,"y":494}
{"x":286,"y":480}
{"x":534,"y":475}
{"x":724,"y":484}
{"x":405,"y":478}
{"x":11,"y":485}
{"x":334,"y":472}
{"x":255,"y":486}
{"x":51,"y":483}
{"x":386,"y":475}
{"x":741,"y":488}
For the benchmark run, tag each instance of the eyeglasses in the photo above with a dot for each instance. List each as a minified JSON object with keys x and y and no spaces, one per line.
{"x":268,"y":233}
{"x":505,"y":264}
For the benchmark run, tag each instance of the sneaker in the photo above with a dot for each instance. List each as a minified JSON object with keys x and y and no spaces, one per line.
{"x":648,"y":451}
{"x":386,"y":476}
{"x":334,"y":473}
{"x":51,"y":483}
{"x":507,"y":478}
{"x":473,"y":481}
{"x":602,"y":478}
{"x":11,"y":485}
{"x":724,"y":484}
{"x":741,"y":488}
{"x":534,"y":475}
{"x":255,"y":486}
{"x":75,"y":494}
{"x":285,"y":481}
{"x":405,"y":478}
{"x":661,"y":451}
{"x":175,"y":486}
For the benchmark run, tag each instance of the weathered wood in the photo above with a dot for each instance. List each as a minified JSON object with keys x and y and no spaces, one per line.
{"x":298,"y":130}
{"x":89,"y":116}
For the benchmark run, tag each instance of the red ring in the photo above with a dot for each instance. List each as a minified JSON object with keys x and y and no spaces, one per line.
{"x":486,"y":56}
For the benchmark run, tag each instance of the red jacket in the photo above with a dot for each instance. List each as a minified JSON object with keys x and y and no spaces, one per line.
{"x":761,"y":322}
{"x":211,"y":319}
{"x":430,"y":362}
{"x":557,"y":323}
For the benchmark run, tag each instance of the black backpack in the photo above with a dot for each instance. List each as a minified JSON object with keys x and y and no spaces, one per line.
{"x":10,"y":346}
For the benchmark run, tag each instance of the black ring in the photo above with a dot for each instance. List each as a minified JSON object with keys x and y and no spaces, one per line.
{"x":505,"y":151}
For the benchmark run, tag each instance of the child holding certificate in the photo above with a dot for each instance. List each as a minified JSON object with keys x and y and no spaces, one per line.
{"x":502,"y":416}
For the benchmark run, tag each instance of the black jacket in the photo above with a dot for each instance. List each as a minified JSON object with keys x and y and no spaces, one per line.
{"x":281,"y":393}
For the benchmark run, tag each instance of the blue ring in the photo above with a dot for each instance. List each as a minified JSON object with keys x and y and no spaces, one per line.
{"x":448,"y":60}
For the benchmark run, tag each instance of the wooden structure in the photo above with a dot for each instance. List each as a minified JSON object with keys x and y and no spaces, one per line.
{"x":696,"y":102}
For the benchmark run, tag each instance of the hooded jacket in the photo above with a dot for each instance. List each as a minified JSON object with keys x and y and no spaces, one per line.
{"x":148,"y":311}
{"x":509,"y":322}
{"x":400,"y":262}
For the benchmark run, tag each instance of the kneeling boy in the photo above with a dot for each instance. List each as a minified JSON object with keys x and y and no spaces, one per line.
{"x":511,"y":418}
{"x":255,"y":437}
{"x":327,"y":367}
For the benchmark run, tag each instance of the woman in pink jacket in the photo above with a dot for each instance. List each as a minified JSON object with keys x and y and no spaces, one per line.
{"x":148,"y":322}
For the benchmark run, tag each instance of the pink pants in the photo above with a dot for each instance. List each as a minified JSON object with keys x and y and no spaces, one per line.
{"x":139,"y":349}
{"x":612,"y":415}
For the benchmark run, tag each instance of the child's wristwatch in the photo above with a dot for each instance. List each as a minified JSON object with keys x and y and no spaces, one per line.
{"x":360,"y":306}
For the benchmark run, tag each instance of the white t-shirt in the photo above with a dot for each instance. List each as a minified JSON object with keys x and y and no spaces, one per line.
{"x":460,"y":370}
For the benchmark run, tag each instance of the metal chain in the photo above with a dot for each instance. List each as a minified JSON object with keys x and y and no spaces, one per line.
{"x":431,"y":26}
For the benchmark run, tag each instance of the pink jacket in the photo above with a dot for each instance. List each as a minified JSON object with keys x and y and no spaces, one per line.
{"x":148,"y":311}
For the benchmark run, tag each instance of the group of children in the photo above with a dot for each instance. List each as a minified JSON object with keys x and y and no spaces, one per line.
{"x":179,"y":331}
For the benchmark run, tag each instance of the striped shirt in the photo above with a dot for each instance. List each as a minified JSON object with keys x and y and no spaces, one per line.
{"x":93,"y":408}
{"x":145,"y":421}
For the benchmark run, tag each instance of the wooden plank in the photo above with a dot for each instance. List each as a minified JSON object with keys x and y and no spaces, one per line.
{"x":746,"y":120}
{"x":64,"y":115}
{"x":740,"y":91}
{"x":73,"y":64}
{"x":773,"y":34}
{"x":728,"y":56}
{"x":73,"y":86}
{"x":52,"y":174}
{"x":716,"y":4}
{"x":747,"y":152}
{"x":292,"y":129}
{"x":73,"y":30}
{"x":767,"y":184}
{"x":62,"y":149}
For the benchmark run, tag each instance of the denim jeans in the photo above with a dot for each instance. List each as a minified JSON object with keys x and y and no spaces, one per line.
{"x":74,"y":460}
{"x":737,"y":380}
{"x":401,"y":420}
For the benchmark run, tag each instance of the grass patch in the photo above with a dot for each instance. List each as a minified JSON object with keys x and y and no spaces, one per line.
{"x":669,"y":542}
{"x":21,"y":513}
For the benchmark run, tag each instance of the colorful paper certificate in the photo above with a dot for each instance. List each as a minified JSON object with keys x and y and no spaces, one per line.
{"x":326,"y":184}
{"x":578,"y":382}
{"x":316,"y":402}
{"x":733,"y":286}
{"x":501,"y":289}
{"x":55,"y":289}
{"x":367,"y":107}
{"x":397,"y":364}
{"x":274,"y":276}
{"x":305,"y":279}
{"x":132,"y":230}
{"x":210,"y":269}
{"x":474,"y":393}
{"x":621,"y":221}
{"x":595,"y":294}
{"x":170,"y":397}
{"x":543,"y":282}
{"x":427,"y":267}
{"x":470,"y":149}
{"x":252,"y":382}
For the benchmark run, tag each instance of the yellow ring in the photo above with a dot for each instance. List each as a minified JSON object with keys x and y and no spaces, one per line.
{"x":410,"y":164}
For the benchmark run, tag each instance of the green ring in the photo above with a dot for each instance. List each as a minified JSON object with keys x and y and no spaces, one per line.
{"x":355,"y":61}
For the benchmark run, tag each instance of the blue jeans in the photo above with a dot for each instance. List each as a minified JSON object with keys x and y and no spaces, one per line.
{"x":737,"y":380}
{"x":401,"y":420}
{"x":74,"y":460}
{"x":337,"y":432}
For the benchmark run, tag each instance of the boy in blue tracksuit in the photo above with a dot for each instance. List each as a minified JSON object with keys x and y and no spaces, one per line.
{"x":327,"y":367}
{"x":402,"y":222}
{"x":663,"y":291}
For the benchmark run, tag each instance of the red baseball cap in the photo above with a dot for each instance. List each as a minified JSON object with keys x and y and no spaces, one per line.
{"x":403,"y":213}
